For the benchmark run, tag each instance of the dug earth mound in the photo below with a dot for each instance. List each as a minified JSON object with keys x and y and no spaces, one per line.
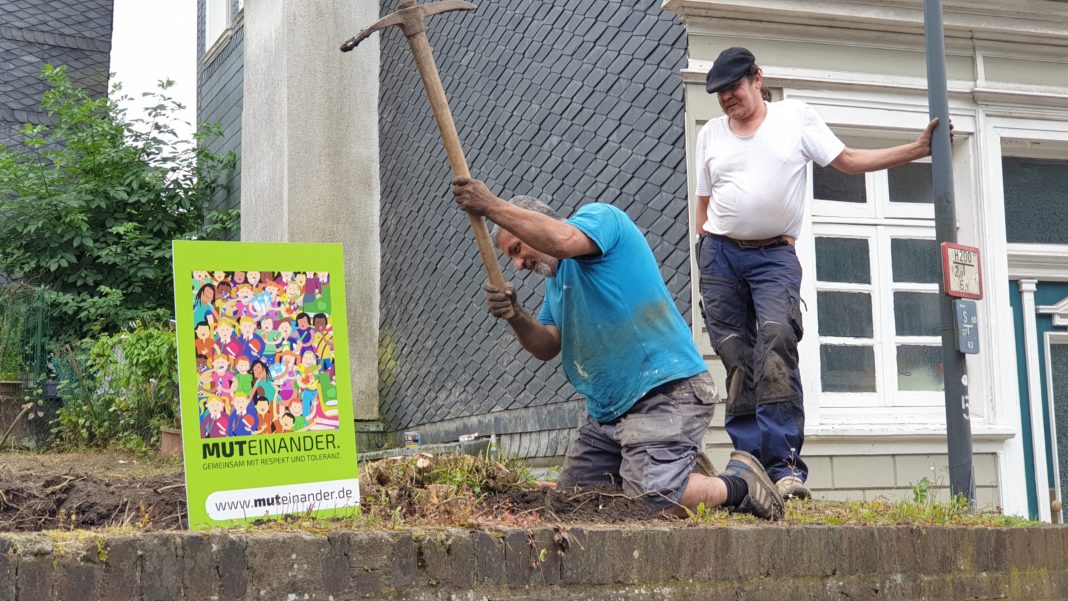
{"x":111,"y":490}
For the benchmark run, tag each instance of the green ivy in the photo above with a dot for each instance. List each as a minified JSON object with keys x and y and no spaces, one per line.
{"x":121,"y":388}
{"x":93,"y":199}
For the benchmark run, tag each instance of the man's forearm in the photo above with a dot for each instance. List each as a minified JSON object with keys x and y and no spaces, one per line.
{"x":543,"y":233}
{"x":865,"y":160}
{"x":538,"y":339}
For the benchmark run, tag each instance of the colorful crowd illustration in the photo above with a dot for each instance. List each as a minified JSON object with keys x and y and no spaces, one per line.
{"x":264,"y":352}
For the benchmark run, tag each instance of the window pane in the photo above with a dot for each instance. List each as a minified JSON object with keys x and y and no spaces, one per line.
{"x":216,"y":20}
{"x":846,"y":314}
{"x":847,"y":368}
{"x":829,"y":183}
{"x":842,"y":260}
{"x":915,"y":260}
{"x":910,"y":182}
{"x":919,"y":368}
{"x":917,"y":314}
{"x":1036,"y":200}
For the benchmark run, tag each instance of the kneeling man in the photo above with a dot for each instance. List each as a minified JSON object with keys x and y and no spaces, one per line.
{"x":625,"y":347}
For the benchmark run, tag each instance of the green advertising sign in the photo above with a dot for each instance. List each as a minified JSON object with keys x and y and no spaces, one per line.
{"x":266,"y":402}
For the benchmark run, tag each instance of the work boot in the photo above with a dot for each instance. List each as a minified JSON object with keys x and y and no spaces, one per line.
{"x":791,"y":487}
{"x":763,"y":500}
{"x":703,"y":465}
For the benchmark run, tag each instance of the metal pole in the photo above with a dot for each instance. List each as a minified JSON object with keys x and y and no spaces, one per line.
{"x":958,"y":424}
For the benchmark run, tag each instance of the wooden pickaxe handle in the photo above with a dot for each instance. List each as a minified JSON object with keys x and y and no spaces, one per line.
{"x":428,"y":70}
{"x":411,"y":19}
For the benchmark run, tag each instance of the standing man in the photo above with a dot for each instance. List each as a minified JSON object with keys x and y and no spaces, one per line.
{"x":625,"y":347}
{"x":752,"y":165}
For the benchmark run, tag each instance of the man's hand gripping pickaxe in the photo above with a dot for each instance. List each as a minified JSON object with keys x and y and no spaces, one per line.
{"x":411,"y":18}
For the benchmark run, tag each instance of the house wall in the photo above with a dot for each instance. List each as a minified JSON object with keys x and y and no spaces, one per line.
{"x":567,"y":101}
{"x":57,"y":32}
{"x":220,"y":79}
{"x":862,"y":66}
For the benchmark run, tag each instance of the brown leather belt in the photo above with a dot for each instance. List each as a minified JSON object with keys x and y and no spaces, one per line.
{"x":764,"y":243}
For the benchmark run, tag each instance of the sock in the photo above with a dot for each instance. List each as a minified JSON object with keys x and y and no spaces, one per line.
{"x":737,"y":490}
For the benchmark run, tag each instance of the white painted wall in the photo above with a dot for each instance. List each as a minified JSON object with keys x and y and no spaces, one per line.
{"x":310,"y":151}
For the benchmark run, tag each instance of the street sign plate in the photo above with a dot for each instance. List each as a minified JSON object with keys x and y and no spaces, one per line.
{"x":963,"y":276}
{"x":967,"y":326}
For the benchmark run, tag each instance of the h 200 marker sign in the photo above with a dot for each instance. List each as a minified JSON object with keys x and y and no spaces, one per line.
{"x":961,"y":271}
{"x":266,"y":402}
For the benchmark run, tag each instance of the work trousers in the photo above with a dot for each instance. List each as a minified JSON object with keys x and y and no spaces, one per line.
{"x":751,"y":305}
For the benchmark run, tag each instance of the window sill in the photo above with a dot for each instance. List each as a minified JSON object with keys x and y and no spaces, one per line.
{"x":217,"y":48}
{"x":896,"y":430}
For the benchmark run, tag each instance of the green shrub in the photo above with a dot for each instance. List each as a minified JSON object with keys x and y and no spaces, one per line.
{"x":92,"y":200}
{"x":118,"y":389}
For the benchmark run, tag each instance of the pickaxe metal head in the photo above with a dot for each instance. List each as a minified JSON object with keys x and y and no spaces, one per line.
{"x":411,"y":18}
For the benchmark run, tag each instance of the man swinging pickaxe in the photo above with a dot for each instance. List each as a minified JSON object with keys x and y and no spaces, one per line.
{"x":411,"y":18}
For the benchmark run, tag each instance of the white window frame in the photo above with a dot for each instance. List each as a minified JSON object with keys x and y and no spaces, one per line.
{"x":217,"y":30}
{"x":884,"y":336}
{"x":882,"y":120}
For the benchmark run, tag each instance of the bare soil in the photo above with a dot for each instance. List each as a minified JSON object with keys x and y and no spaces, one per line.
{"x":88,"y":490}
{"x":96,"y":490}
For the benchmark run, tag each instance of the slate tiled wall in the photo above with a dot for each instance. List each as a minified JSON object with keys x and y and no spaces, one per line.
{"x":570,"y":101}
{"x":57,"y":32}
{"x":220,"y":94}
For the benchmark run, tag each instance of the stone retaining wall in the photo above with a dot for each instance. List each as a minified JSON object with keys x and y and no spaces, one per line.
{"x":714,"y":563}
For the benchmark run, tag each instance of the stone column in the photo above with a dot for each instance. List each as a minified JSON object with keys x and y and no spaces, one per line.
{"x":309,"y":146}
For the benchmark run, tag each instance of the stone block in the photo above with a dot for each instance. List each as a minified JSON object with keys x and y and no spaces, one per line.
{"x":656,"y":558}
{"x":447,"y":559}
{"x":699,"y":553}
{"x":736,"y":558}
{"x":805,"y":551}
{"x":122,"y":568}
{"x":161,"y":580}
{"x":862,"y":551}
{"x":232,"y":566}
{"x":274,"y":572}
{"x":200,"y":579}
{"x":76,"y":580}
{"x":34,"y":578}
{"x":488,"y":548}
{"x":545,"y":557}
{"x":368,"y":561}
{"x":335,"y":574}
{"x":7,"y":571}
{"x":603,"y":557}
{"x":864,"y":471}
{"x":990,"y":544}
{"x":520,"y":563}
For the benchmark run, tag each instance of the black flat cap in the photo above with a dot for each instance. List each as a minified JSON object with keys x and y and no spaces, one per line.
{"x":731,"y":65}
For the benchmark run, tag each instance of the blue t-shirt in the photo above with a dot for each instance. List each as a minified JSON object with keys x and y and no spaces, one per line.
{"x":620,"y":332}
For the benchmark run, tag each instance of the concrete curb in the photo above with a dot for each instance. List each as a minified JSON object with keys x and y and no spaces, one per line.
{"x":716,"y":563}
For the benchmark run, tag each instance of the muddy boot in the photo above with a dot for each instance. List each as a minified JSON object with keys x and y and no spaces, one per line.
{"x":763,"y":500}
{"x":791,"y":487}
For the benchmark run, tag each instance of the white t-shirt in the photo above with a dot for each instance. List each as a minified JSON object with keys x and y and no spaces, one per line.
{"x":757,"y":183}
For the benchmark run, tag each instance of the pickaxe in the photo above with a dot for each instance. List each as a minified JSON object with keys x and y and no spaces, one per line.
{"x":411,"y":18}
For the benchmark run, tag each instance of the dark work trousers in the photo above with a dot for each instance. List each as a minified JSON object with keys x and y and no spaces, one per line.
{"x":751,"y":304}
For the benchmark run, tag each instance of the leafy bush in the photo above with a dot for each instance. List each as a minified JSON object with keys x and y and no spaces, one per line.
{"x":93,"y":199}
{"x":119,"y":389}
